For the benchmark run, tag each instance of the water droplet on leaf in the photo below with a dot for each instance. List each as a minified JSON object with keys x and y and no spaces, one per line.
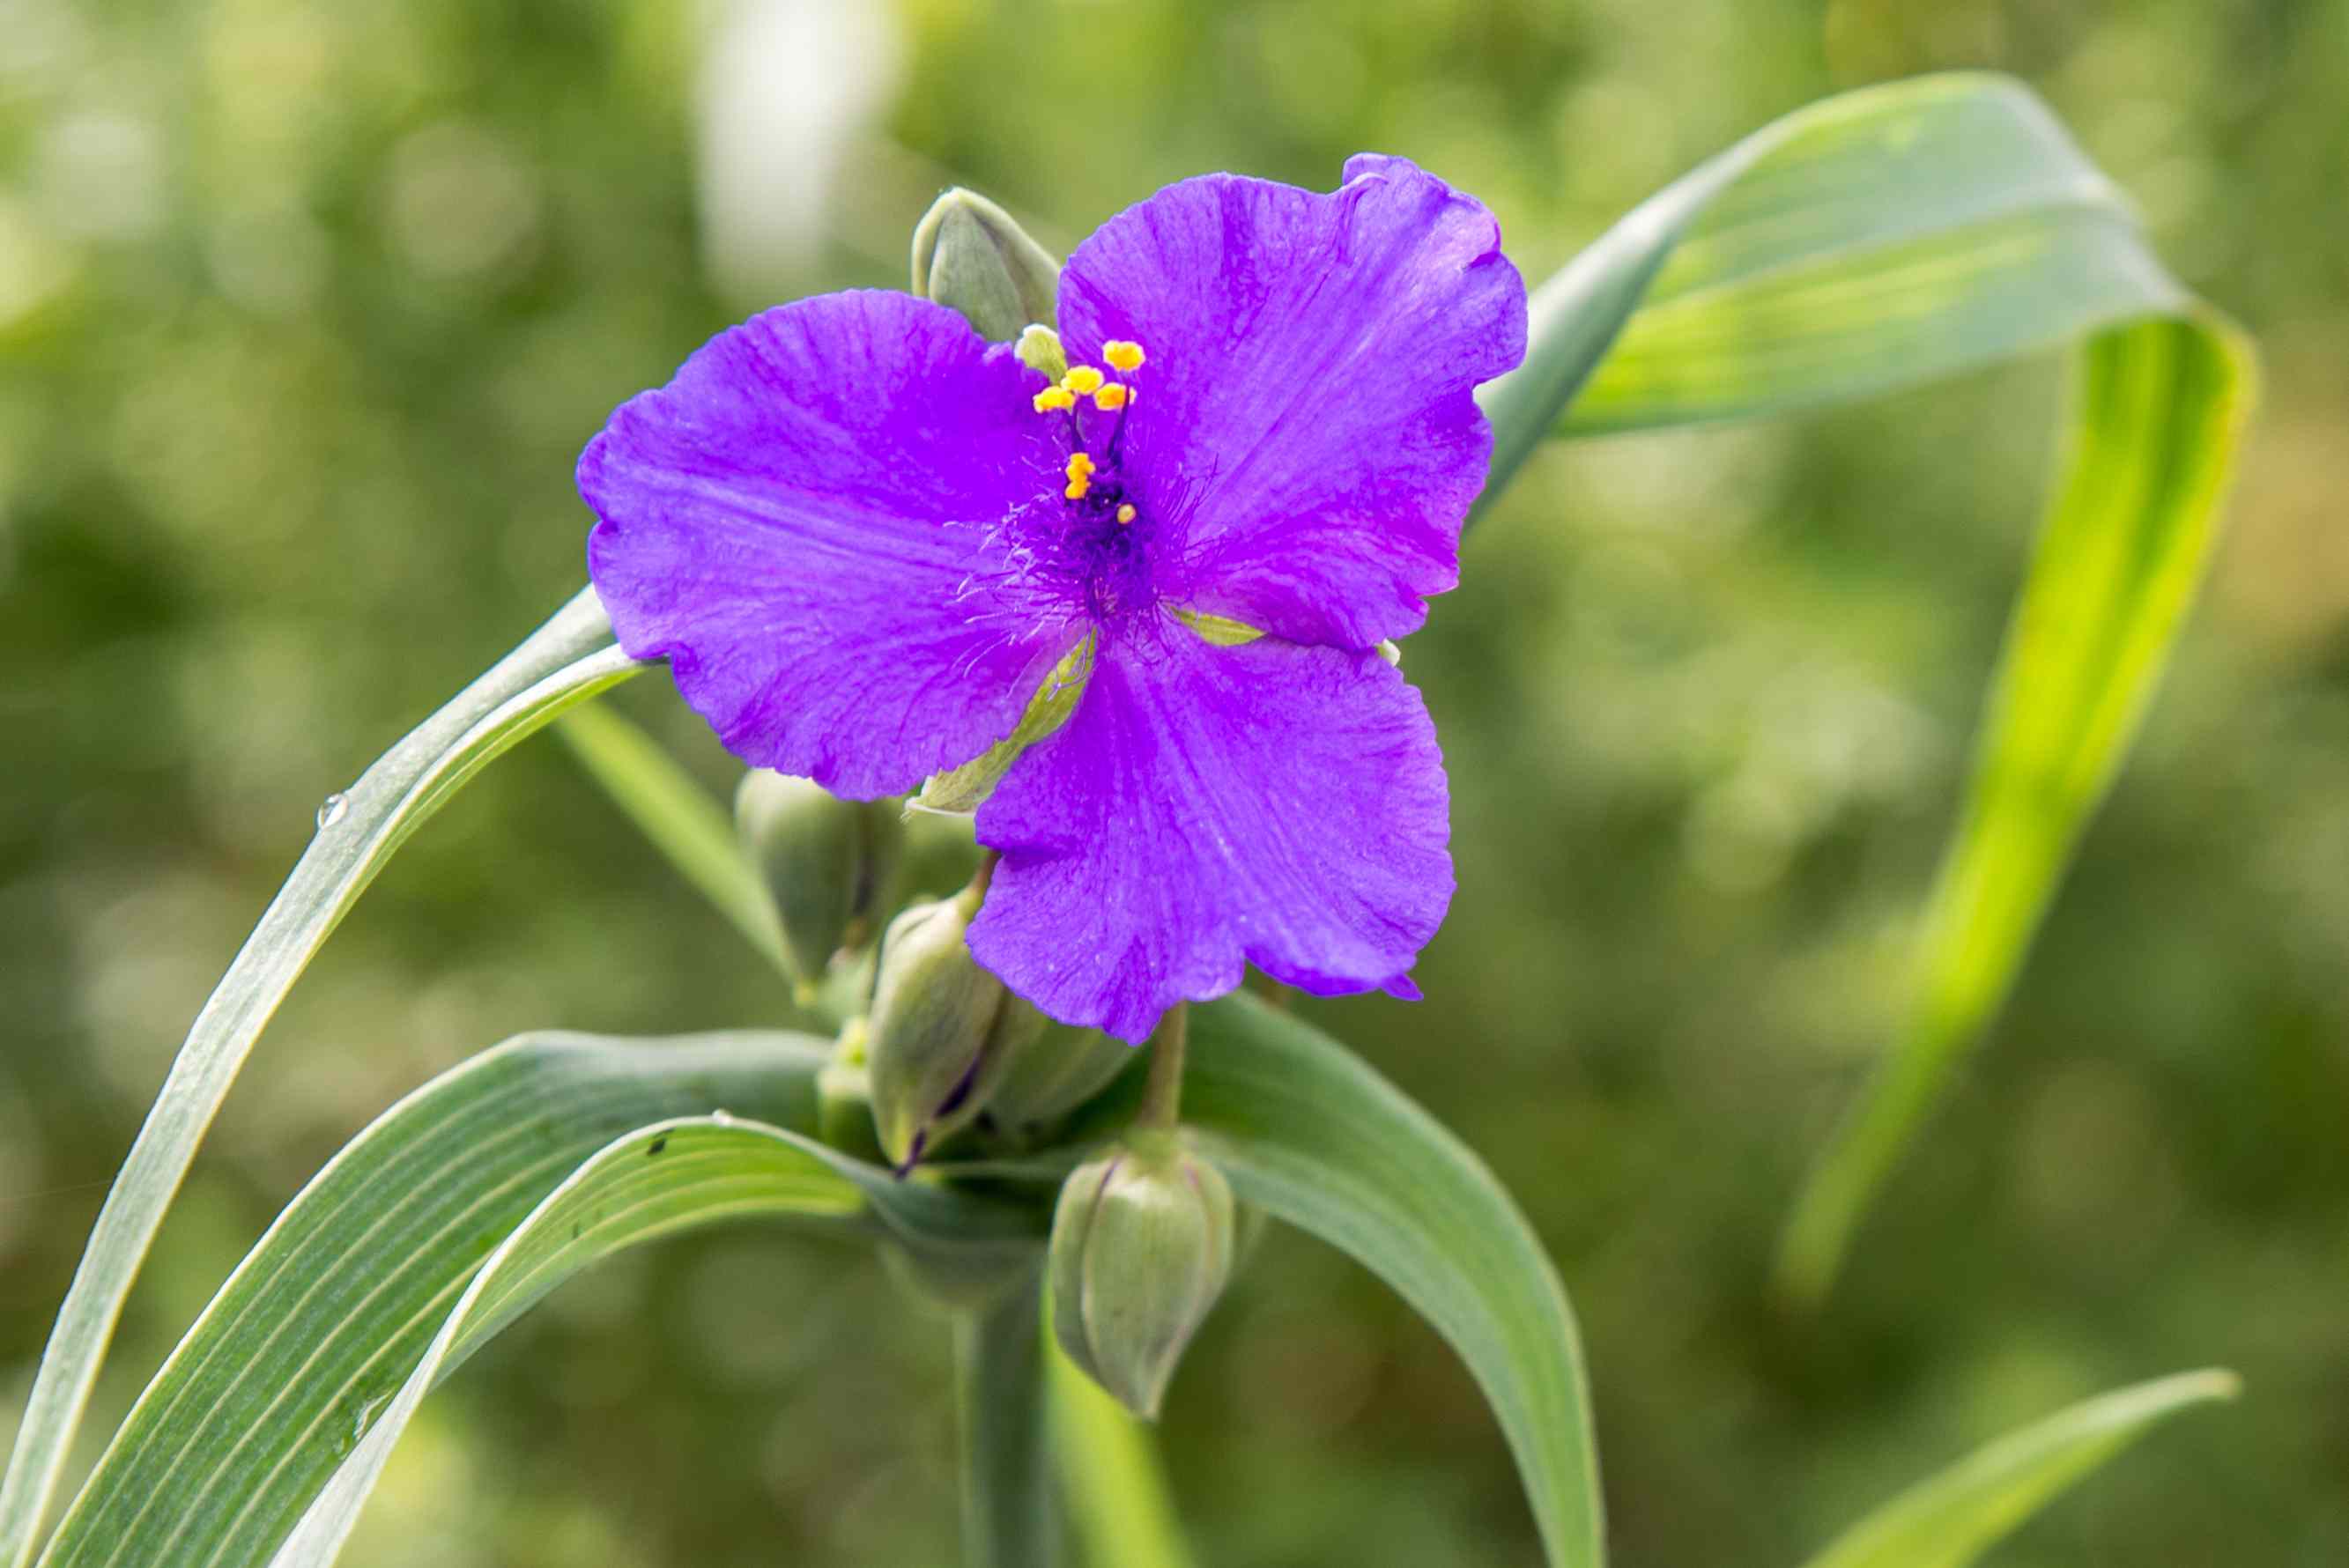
{"x":331,"y":808}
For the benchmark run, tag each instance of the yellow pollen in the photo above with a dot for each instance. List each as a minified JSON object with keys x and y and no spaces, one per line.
{"x":1124,"y":354}
{"x":1114,"y":395}
{"x":1077,"y":488}
{"x":1125,"y":512}
{"x":1081,"y":465}
{"x":1053,"y":398}
{"x":1084,"y":380}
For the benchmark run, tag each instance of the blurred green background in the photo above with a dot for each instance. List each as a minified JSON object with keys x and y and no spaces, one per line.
{"x":305,"y":311}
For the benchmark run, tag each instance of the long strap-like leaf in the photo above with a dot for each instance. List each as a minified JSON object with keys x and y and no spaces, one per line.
{"x":1307,"y":1132}
{"x":1951,"y":1519}
{"x":569,"y":658}
{"x":653,"y":1182}
{"x":1875,"y":240}
{"x":2157,"y":413}
{"x":333,"y":1308}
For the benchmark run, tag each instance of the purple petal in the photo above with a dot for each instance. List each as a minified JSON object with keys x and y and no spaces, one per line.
{"x":1206,"y":807}
{"x":803,"y":523}
{"x":1305,"y":417}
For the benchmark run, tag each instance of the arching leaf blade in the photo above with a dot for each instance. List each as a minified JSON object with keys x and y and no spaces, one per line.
{"x":1308,"y":1132}
{"x":657,"y":1181}
{"x":322,"y":1321}
{"x":2158,"y":410}
{"x":1952,"y":1518}
{"x":567,"y":660}
{"x":1875,"y":240}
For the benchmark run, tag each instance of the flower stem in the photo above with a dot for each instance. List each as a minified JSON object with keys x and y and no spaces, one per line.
{"x":1008,"y":1517}
{"x":981,"y":878}
{"x":1161,"y":1097}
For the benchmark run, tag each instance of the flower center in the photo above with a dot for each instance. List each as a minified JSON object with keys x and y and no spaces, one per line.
{"x":1103,"y":536}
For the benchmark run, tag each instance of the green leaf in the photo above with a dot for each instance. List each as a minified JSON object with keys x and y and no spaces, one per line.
{"x":1307,"y":1132}
{"x":1009,"y":1519}
{"x":570,"y":658}
{"x":1115,"y":1487}
{"x":681,"y":817}
{"x":653,"y":1182}
{"x":2157,"y":412}
{"x":511,"y":1173}
{"x":331,"y":1310}
{"x":1952,"y":1518}
{"x":1875,"y":240}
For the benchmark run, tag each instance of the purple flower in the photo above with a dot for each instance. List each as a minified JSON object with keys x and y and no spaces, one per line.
{"x":862,"y":537}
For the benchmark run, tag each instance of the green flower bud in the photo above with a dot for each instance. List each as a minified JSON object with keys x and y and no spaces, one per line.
{"x":1141,"y":1244}
{"x":1039,"y":348}
{"x":970,"y":256}
{"x":829,"y":865}
{"x":942,"y":1030}
{"x":1057,"y":1070}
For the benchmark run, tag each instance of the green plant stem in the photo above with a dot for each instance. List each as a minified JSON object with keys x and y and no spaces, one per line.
{"x":1118,"y":1501}
{"x":1162,"y":1096}
{"x":1008,"y":1515}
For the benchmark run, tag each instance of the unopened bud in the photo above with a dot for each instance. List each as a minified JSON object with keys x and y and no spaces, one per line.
{"x":828,"y":864}
{"x":1141,"y":1244}
{"x":1054,"y":1072}
{"x":942,"y":1030}
{"x":969,"y":254}
{"x":1040,"y":349}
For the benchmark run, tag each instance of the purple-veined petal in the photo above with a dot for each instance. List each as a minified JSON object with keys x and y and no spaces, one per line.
{"x":805,"y":523}
{"x":1305,"y":419}
{"x":1272,"y":803}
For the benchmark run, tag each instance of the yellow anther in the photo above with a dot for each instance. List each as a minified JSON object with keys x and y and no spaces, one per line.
{"x":1081,"y":465}
{"x":1125,"y":512}
{"x":1113,"y":395}
{"x":1077,"y":488}
{"x":1053,"y":398}
{"x":1084,"y":380}
{"x":1123,"y":354}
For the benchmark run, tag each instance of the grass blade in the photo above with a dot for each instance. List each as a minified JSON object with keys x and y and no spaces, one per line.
{"x":1952,"y":1518}
{"x":567,"y":660}
{"x":1307,"y":1132}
